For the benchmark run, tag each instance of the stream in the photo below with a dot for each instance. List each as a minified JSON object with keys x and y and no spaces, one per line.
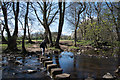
{"x":80,"y":66}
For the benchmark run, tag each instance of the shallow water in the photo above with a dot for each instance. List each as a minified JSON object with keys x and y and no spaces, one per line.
{"x":10,"y":70}
{"x":80,"y":66}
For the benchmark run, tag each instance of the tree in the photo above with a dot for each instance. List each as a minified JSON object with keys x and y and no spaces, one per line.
{"x":2,"y":31}
{"x":48,"y":19}
{"x":26,"y":23}
{"x":12,"y":45}
{"x":75,"y":10}
{"x":115,"y":19}
{"x":61,"y":21}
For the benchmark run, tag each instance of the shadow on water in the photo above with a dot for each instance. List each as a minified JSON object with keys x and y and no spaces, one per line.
{"x":79,"y":65}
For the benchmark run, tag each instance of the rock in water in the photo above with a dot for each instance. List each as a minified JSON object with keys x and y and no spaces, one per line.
{"x":29,"y":71}
{"x":117,"y":70}
{"x":18,"y":63}
{"x":89,"y":78}
{"x":108,"y":76}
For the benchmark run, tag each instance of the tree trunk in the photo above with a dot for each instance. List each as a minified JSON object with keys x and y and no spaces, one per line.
{"x":61,"y":21}
{"x":29,"y":38}
{"x":46,"y":24}
{"x":12,"y":45}
{"x":50,"y":37}
{"x":75,"y":39}
{"x":26,"y":22}
{"x":3,"y":38}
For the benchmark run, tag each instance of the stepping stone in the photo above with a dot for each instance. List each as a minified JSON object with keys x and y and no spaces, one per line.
{"x":42,"y":58}
{"x":47,"y":62}
{"x":51,"y":66}
{"x":56,"y":71}
{"x":46,"y":59}
{"x":63,"y":76}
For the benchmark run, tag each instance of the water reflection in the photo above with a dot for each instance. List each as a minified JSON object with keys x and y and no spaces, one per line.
{"x":82,"y":66}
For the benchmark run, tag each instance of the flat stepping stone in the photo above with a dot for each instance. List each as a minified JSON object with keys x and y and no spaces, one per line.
{"x":46,"y":59}
{"x":63,"y":76}
{"x":51,"y":66}
{"x":56,"y":71}
{"x":47,"y":63}
{"x":42,"y":58}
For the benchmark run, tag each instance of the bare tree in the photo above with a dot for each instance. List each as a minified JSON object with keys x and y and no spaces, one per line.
{"x":26,"y":23}
{"x":12,"y":45}
{"x":75,"y":10}
{"x":61,"y":21}
{"x":48,"y":19}
{"x":2,"y":32}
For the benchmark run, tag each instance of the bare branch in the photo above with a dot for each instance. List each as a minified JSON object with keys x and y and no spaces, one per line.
{"x":36,"y":14}
{"x":53,"y":17}
{"x":40,"y":6}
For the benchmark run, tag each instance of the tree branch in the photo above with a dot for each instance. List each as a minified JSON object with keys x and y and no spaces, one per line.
{"x":37,"y":15}
{"x":53,"y":18}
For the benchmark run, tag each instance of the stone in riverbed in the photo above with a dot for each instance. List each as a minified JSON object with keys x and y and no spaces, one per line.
{"x":51,"y":66}
{"x":108,"y":76}
{"x":18,"y":63}
{"x":117,"y":70}
{"x":42,"y":58}
{"x":63,"y":76}
{"x":29,"y":71}
{"x":46,"y":59}
{"x":56,"y":71}
{"x":47,"y":62}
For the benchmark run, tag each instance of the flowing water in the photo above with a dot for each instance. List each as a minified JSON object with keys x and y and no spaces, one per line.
{"x":80,"y":66}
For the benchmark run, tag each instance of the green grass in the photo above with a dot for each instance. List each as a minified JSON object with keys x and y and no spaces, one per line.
{"x":84,"y":42}
{"x":4,"y":46}
{"x":66,"y":40}
{"x":73,"y":47}
{"x":26,"y":45}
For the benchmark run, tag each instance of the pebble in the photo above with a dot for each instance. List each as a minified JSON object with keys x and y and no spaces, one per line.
{"x":108,"y":76}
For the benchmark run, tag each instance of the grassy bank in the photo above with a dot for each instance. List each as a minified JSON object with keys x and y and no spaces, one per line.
{"x":4,"y":46}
